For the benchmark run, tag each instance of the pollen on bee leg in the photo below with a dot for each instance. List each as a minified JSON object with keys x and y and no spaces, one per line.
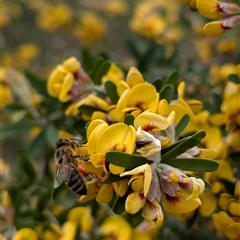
{"x":82,"y":169}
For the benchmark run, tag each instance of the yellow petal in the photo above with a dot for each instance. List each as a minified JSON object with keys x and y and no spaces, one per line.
{"x":105,"y":193}
{"x":237,"y":189}
{"x":224,"y":200}
{"x":134,"y":77}
{"x":234,"y":207}
{"x":25,"y":233}
{"x":92,"y":190}
{"x":119,"y":137}
{"x":221,"y":220}
{"x":121,"y":187}
{"x":115,"y":169}
{"x":179,"y":204}
{"x":116,"y":227}
{"x":71,"y":64}
{"x":163,"y":108}
{"x":134,"y":202}
{"x":232,"y":230}
{"x":152,"y":211}
{"x":209,"y":204}
{"x":82,"y":216}
{"x":66,"y":87}
{"x":149,"y":121}
{"x":214,"y":29}
{"x":209,"y":8}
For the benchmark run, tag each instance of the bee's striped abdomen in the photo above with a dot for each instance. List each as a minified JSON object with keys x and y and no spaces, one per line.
{"x":77,"y":183}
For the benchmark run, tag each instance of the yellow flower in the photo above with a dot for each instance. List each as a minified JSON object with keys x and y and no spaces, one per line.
{"x":209,"y":199}
{"x":114,"y":74}
{"x":25,"y":233}
{"x":67,"y":232}
{"x":68,"y":81}
{"x":117,"y":137}
{"x":81,"y":216}
{"x":25,"y":53}
{"x":225,"y":224}
{"x":51,"y":17}
{"x":143,"y":172}
{"x":151,"y":122}
{"x":152,"y":212}
{"x":89,"y":100}
{"x":134,"y":103}
{"x":214,"y":9}
{"x":181,"y":192}
{"x":218,"y":28}
{"x":116,"y":228}
{"x":91,"y":27}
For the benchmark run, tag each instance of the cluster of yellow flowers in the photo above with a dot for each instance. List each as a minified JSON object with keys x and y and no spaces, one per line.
{"x":153,"y":181}
{"x":214,"y":9}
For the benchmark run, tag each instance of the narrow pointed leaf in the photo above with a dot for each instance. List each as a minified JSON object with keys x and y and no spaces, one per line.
{"x":133,"y":49}
{"x":15,"y":129}
{"x":129,"y":119}
{"x":125,"y":160}
{"x":111,"y":91}
{"x":119,"y":205}
{"x":182,"y":124}
{"x":184,"y":145}
{"x":234,"y":78}
{"x":51,"y":134}
{"x":167,"y":92}
{"x":37,"y":83}
{"x":172,"y":78}
{"x":87,"y":59}
{"x":101,"y":69}
{"x":157,"y":84}
{"x":193,"y":164}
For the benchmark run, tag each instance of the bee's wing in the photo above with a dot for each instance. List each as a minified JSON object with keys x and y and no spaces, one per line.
{"x":57,"y":178}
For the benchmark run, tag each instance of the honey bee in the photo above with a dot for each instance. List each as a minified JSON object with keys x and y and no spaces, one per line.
{"x":68,"y":170}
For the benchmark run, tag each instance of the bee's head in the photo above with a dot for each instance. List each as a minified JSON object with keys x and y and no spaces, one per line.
{"x":63,"y":142}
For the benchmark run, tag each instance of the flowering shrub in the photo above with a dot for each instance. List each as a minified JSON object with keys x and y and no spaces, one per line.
{"x":153,"y":127}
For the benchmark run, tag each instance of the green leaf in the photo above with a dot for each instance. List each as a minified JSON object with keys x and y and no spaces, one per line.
{"x":111,"y":91}
{"x":100,"y":69}
{"x":147,"y":56}
{"x":51,"y":134}
{"x":135,"y":219}
{"x":87,"y":59}
{"x":129,"y":119}
{"x":157,"y":84}
{"x":167,"y":92}
{"x":182,"y":145}
{"x":89,"y":110}
{"x":133,"y":49}
{"x":125,"y":160}
{"x":119,"y":205}
{"x":37,"y":145}
{"x":172,"y":79}
{"x":37,"y":83}
{"x":182,"y":124}
{"x":114,"y":178}
{"x":234,"y":78}
{"x":15,"y":129}
{"x":27,"y":165}
{"x":193,"y":164}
